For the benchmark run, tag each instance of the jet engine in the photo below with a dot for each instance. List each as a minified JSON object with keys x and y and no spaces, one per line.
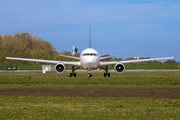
{"x":59,"y":68}
{"x":119,"y":67}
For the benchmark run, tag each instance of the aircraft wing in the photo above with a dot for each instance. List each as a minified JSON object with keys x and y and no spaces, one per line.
{"x":108,"y":63}
{"x":132,"y":61}
{"x":144,"y":60}
{"x":45,"y":61}
{"x":78,"y":58}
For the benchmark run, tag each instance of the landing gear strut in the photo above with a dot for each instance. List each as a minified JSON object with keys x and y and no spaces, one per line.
{"x":73,"y":69}
{"x":106,"y":70}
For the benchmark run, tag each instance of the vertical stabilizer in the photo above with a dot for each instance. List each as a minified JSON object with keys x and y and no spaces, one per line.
{"x":89,"y":36}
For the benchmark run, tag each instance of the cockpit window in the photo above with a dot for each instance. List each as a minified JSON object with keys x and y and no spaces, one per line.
{"x":86,"y":54}
{"x":89,"y":54}
{"x":93,"y":54}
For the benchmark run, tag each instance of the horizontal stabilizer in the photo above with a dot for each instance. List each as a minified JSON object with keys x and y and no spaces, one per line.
{"x":78,"y":58}
{"x":101,"y":58}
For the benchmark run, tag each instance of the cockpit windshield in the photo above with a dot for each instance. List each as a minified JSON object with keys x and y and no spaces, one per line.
{"x":89,"y":54}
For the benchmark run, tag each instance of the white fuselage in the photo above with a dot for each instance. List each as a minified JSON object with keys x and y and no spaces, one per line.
{"x":89,"y":59}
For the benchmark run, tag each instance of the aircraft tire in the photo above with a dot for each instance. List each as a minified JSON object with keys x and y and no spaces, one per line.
{"x":108,"y":74}
{"x":89,"y":75}
{"x":104,"y":74}
{"x":70,"y":74}
{"x":74,"y":74}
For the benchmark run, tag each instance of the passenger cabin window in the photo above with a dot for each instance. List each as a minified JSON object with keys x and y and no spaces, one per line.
{"x":89,"y":54}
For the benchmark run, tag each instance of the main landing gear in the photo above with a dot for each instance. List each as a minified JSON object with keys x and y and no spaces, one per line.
{"x":106,"y":74}
{"x":73,"y":69}
{"x":89,"y":73}
{"x":71,"y":74}
{"x":106,"y":70}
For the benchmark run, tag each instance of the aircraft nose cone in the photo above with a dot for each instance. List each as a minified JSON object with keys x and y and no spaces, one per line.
{"x":89,"y":62}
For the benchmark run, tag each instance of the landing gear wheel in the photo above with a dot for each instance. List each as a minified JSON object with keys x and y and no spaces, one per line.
{"x":89,"y":75}
{"x":108,"y":74}
{"x":72,"y":74}
{"x":106,"y":71}
{"x":104,"y":74}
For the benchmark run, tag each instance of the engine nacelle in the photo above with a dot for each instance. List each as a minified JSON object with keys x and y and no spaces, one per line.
{"x":59,"y":68}
{"x":119,"y":67}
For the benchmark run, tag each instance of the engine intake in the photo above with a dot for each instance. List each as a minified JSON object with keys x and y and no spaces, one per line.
{"x":119,"y":67}
{"x":60,"y":68}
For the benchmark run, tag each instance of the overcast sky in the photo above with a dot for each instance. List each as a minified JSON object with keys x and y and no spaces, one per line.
{"x":118,"y":27}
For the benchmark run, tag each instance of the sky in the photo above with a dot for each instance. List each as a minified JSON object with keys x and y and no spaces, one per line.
{"x":129,"y":28}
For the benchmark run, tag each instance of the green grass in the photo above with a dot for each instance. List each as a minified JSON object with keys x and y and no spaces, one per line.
{"x":49,"y":107}
{"x":20,"y":107}
{"x":126,"y":79}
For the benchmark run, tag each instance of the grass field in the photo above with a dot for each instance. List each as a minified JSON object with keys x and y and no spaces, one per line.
{"x":131,"y":95}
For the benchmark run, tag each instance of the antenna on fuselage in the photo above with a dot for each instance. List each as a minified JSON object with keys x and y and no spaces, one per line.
{"x":89,"y":36}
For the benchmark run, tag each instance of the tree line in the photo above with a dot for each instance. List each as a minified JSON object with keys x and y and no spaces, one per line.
{"x":24,"y":45}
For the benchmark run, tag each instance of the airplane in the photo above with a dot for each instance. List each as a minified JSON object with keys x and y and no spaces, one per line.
{"x":89,"y":60}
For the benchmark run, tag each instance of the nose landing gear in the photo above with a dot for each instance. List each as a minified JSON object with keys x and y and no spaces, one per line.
{"x":89,"y":74}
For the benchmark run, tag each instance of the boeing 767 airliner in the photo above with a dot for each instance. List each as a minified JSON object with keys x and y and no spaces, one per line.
{"x":89,"y":60}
